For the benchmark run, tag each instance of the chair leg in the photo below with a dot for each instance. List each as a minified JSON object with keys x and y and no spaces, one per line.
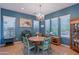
{"x":25,"y":50}
{"x":28,"y":52}
{"x":48,"y":51}
{"x":37,"y":50}
{"x":43,"y":52}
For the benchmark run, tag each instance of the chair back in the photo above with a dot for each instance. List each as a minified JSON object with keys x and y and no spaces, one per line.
{"x":26,"y":35}
{"x":46,"y":42}
{"x":25,"y":41}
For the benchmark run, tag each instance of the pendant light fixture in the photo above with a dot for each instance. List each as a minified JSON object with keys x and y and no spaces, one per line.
{"x":40,"y":16}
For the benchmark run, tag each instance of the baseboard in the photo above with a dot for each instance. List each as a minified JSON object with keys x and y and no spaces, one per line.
{"x":66,"y":45}
{"x":1,"y":45}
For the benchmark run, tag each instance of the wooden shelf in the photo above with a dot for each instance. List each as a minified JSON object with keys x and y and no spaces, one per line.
{"x":74,"y":38}
{"x":76,"y":49}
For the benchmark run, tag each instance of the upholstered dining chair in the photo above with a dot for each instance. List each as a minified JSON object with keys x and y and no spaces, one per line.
{"x":45,"y":46}
{"x":28,"y":44}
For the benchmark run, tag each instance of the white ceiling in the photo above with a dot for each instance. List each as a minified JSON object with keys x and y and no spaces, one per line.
{"x":33,"y":8}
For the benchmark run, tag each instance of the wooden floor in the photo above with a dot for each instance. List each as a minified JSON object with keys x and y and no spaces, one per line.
{"x":17,"y":49}
{"x":62,"y":50}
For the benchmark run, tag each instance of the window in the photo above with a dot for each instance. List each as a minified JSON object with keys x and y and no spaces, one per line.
{"x":47,"y":26}
{"x":65,"y":26}
{"x":8,"y":27}
{"x":54,"y":26}
{"x":36,"y":26}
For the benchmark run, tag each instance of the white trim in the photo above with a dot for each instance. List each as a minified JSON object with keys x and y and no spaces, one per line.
{"x":65,"y":45}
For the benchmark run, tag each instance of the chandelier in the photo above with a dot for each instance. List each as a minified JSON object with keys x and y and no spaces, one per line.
{"x":40,"y":16}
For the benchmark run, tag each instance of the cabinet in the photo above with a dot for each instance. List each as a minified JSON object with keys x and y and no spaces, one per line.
{"x":74,"y":34}
{"x":55,"y":40}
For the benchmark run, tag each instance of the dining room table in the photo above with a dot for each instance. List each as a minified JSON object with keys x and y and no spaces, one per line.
{"x":36,"y":40}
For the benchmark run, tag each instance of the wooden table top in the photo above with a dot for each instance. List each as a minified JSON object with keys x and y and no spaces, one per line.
{"x":39,"y":38}
{"x":55,"y":36}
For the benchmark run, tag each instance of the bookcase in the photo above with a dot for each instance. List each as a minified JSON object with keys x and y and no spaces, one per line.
{"x":74,"y":34}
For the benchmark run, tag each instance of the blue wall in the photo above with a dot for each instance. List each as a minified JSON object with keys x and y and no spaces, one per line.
{"x":0,"y":25}
{"x":73,"y":10}
{"x":18,"y":15}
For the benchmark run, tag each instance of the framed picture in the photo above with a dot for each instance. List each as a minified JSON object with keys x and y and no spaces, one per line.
{"x":25,"y":22}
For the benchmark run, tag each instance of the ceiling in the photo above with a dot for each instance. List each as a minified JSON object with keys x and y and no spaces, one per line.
{"x":34,"y":8}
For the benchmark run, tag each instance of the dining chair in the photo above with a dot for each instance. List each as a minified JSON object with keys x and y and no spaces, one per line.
{"x":28,"y":44}
{"x":45,"y":45}
{"x":26,"y":35}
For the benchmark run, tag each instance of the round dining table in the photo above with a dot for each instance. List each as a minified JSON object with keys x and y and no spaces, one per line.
{"x":36,"y":41}
{"x":37,"y":38}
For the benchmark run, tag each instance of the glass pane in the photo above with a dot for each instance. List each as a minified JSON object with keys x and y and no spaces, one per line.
{"x":36,"y":26}
{"x":8,"y":27}
{"x":47,"y":26}
{"x":54,"y":26}
{"x":65,"y":26}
